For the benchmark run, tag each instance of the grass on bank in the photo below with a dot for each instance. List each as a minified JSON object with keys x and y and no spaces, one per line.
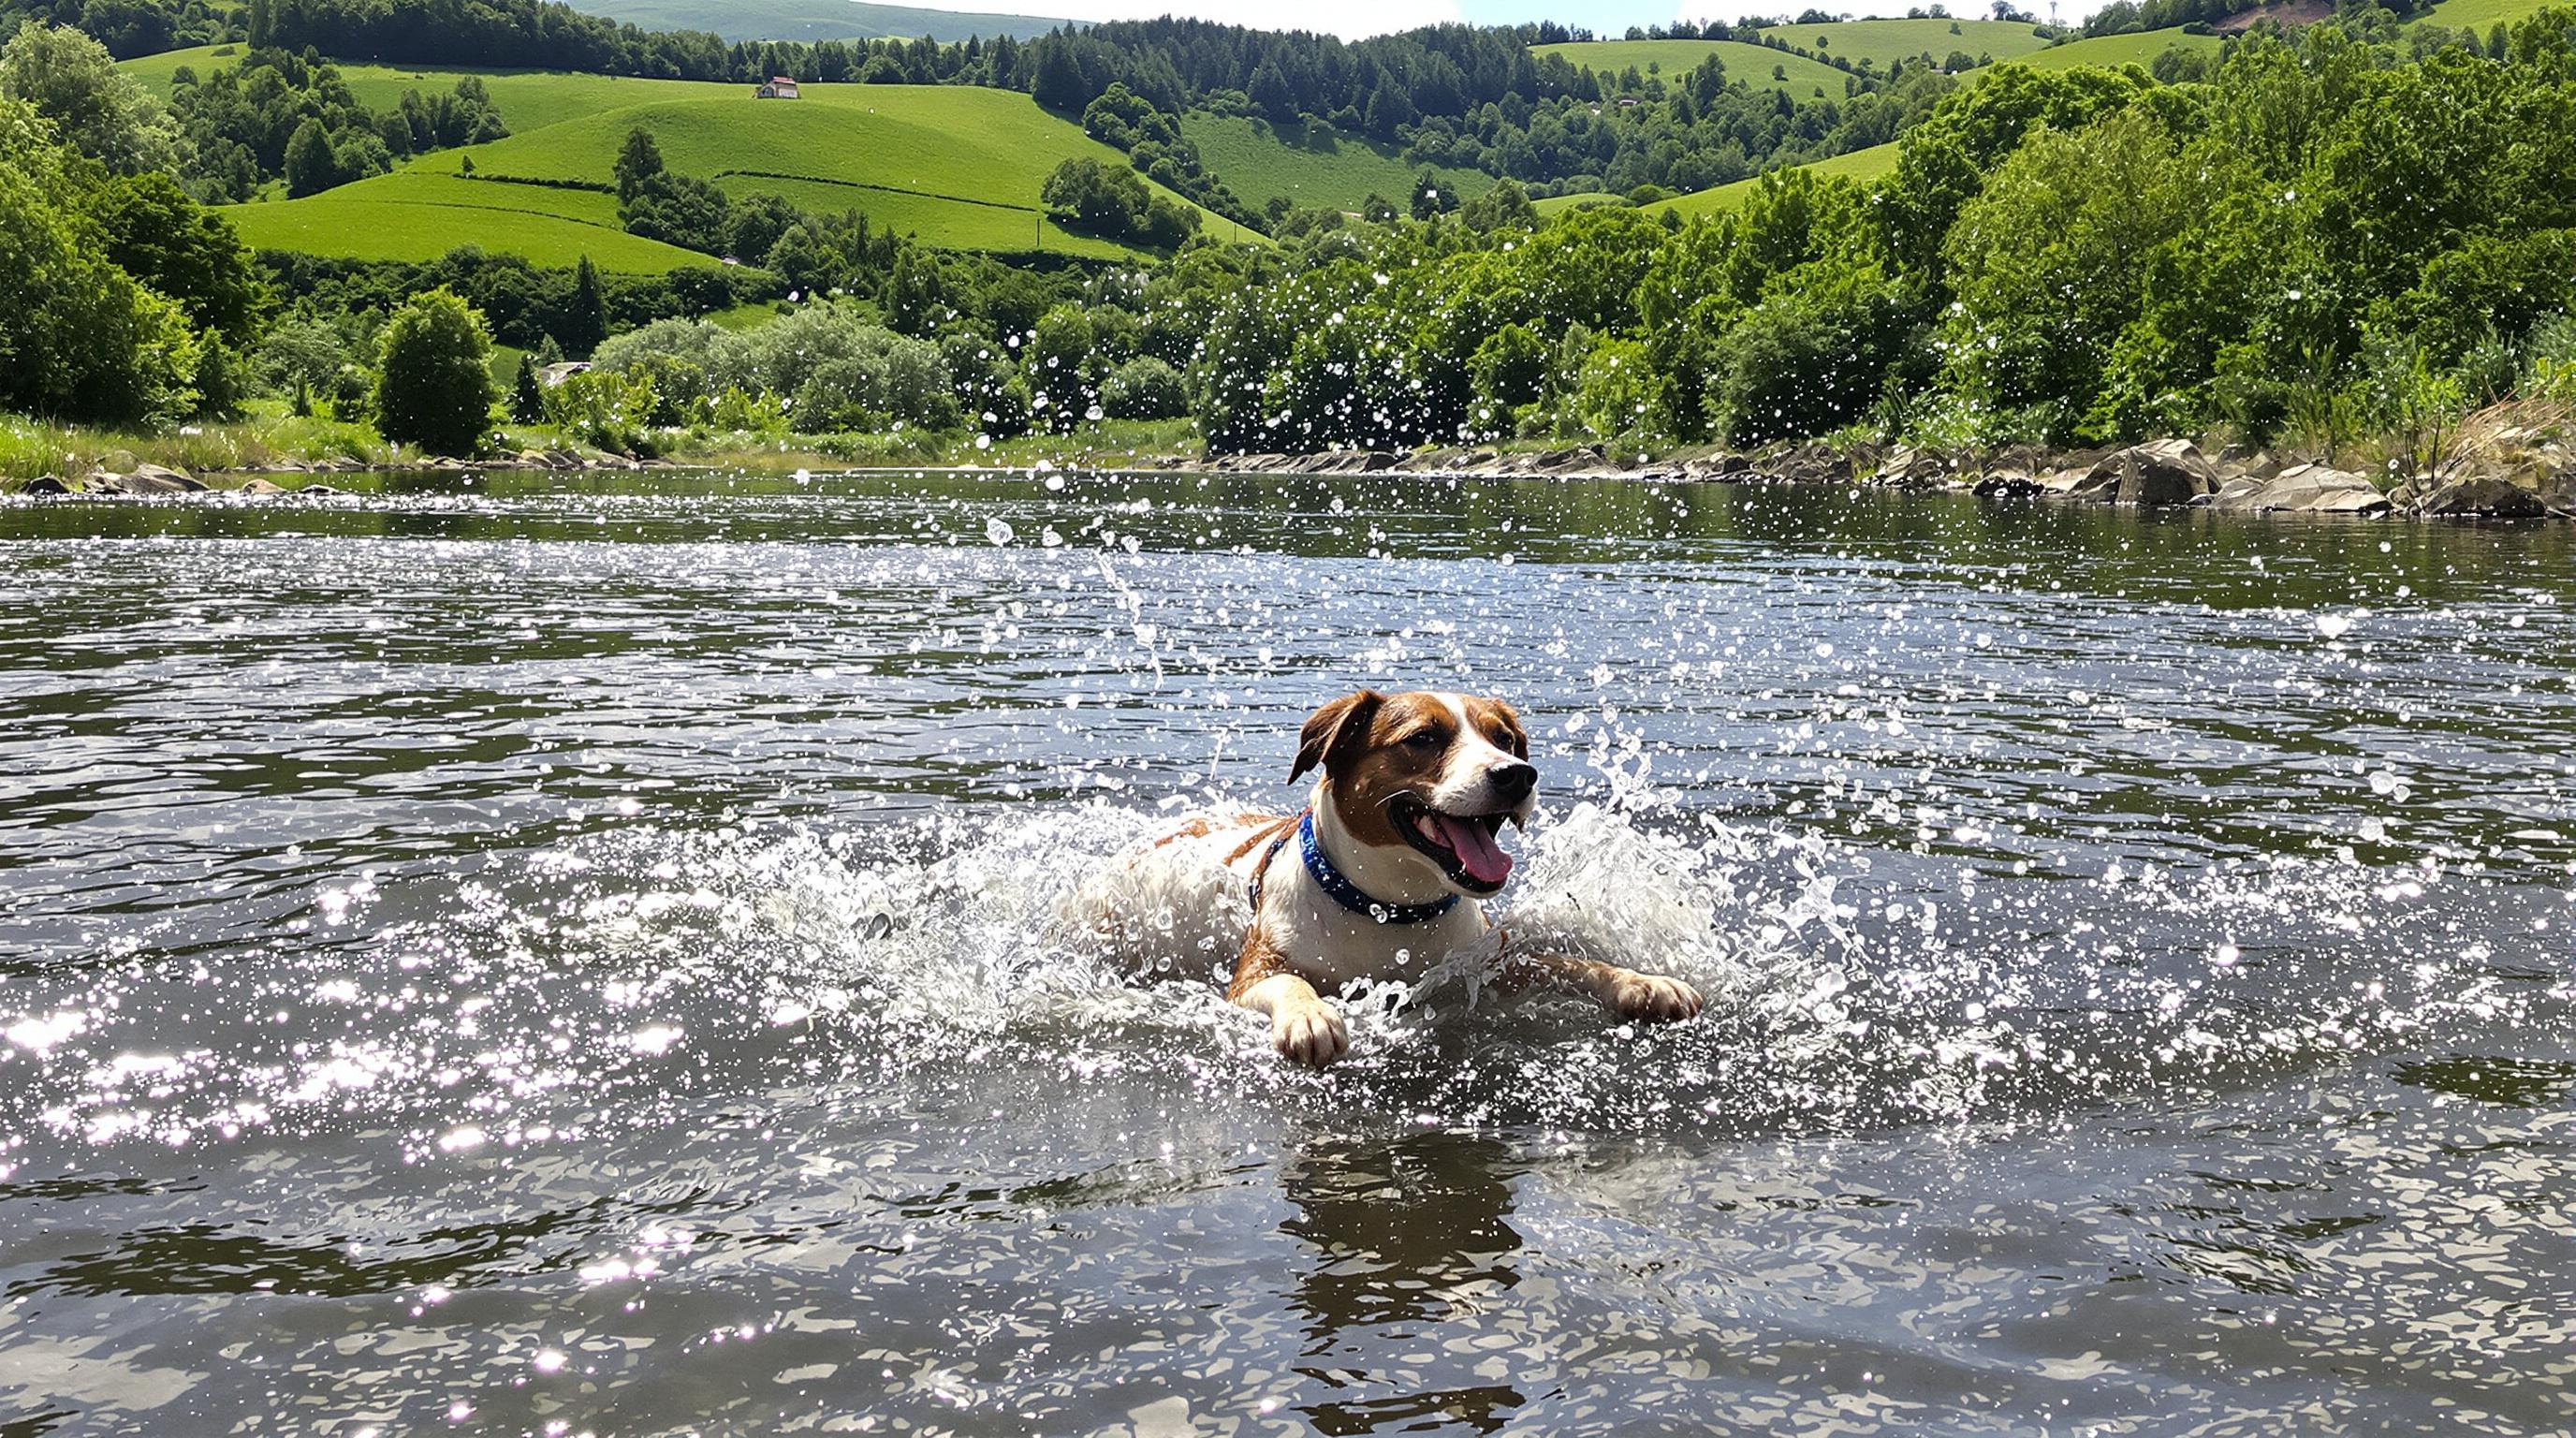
{"x":268,"y":434}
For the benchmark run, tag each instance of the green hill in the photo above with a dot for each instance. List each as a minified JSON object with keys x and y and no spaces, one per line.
{"x":1753,"y":64}
{"x":2116,"y":50}
{"x":1309,"y":166}
{"x":2481,"y":15}
{"x":811,"y":20}
{"x":955,"y":166}
{"x":1866,"y":164}
{"x":417,"y":217}
{"x":1885,"y":42}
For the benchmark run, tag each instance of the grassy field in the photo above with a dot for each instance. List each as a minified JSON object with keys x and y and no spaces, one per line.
{"x":1555,"y":205}
{"x":1866,"y":164}
{"x":1887,"y":41}
{"x":1801,"y":77}
{"x":956,"y":166}
{"x":414,"y":216}
{"x":2481,"y":15}
{"x":2116,"y":50}
{"x":811,"y":20}
{"x":1312,"y":167}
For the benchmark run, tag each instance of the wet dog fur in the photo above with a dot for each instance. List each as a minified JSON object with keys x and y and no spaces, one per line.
{"x":1412,"y":791}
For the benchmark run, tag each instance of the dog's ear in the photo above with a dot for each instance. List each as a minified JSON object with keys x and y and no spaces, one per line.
{"x":1328,"y":729}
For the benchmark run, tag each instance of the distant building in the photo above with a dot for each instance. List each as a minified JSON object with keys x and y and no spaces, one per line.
{"x":778,"y":88}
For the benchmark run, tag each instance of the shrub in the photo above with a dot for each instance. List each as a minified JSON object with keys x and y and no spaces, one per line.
{"x":435,"y":387}
{"x":1145,"y":388}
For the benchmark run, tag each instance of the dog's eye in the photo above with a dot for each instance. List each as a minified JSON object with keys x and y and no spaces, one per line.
{"x":1423,"y":739}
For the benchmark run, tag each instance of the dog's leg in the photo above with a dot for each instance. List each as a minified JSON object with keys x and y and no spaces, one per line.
{"x":1625,"y":992}
{"x":1303,"y":1027}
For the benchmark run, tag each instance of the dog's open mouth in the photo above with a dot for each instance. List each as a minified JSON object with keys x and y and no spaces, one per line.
{"x":1461,"y":844}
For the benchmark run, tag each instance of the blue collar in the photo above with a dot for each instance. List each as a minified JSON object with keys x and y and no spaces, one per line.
{"x":1338,"y":884}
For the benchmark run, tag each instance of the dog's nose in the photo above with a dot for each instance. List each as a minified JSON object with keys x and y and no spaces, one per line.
{"x":1513,"y":781}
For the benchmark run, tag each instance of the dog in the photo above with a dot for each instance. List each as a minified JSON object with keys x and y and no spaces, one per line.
{"x":1378,"y":877}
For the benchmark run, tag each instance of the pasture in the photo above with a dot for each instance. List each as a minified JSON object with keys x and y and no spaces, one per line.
{"x":1310,"y":165}
{"x":1799,"y":79}
{"x":1869,"y":164}
{"x":1884,"y":42}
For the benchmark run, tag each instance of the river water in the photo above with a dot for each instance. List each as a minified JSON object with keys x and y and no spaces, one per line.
{"x":545,"y":955}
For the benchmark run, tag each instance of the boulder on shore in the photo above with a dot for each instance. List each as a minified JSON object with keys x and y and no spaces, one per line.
{"x":46,"y":484}
{"x":2305,"y":489}
{"x":2163,"y":472}
{"x":2482,"y":497}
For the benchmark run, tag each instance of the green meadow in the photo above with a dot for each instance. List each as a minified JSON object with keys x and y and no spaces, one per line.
{"x":1867,"y":164}
{"x":1884,"y":42}
{"x":415,"y":216}
{"x":2480,"y":15}
{"x":2113,"y":51}
{"x":1752,"y":64}
{"x":957,"y":167}
{"x":1312,"y":165}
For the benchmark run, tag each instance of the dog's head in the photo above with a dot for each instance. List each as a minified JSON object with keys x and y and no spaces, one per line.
{"x":1432,"y":774}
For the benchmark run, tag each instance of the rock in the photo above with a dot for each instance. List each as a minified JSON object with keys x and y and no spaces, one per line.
{"x":46,"y":484}
{"x":118,"y":461}
{"x":321,"y":491}
{"x":2009,"y":484}
{"x":2306,"y":488}
{"x":1911,"y":469}
{"x":262,"y":489}
{"x":156,"y":479}
{"x":2482,"y":498}
{"x":2099,"y":481}
{"x":2163,"y":472}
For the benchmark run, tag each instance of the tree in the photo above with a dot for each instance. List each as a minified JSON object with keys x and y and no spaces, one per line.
{"x":311,"y":165}
{"x":527,"y":396}
{"x":183,"y":250}
{"x":98,"y":109}
{"x":435,"y":388}
{"x":638,"y":161}
{"x":86,"y":342}
{"x":585,"y":318}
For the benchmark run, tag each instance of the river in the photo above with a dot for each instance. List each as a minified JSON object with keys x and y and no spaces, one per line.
{"x":541,"y":954}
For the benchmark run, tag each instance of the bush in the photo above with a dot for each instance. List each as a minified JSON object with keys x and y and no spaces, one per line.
{"x":845,"y":372}
{"x":435,"y":386}
{"x":1145,"y":388}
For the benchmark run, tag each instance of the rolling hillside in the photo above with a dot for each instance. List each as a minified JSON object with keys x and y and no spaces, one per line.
{"x":1753,"y":64}
{"x":413,"y":216}
{"x":1313,"y":167}
{"x":957,"y":167}
{"x":2114,"y":50}
{"x":811,"y":20}
{"x":1887,"y":41}
{"x":1866,"y":164}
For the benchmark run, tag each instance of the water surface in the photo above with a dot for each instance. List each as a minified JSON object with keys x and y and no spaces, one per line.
{"x":571,"y":954}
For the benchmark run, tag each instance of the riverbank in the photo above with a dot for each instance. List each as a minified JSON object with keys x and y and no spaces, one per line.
{"x":2507,"y":462}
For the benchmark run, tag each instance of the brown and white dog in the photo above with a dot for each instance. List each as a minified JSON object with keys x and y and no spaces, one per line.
{"x":1378,"y":878}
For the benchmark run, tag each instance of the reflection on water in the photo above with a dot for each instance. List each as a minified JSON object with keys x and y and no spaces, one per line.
{"x":561,"y":956}
{"x":1411,"y":1238}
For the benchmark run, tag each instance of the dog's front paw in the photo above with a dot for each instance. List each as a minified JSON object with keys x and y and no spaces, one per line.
{"x":1311,"y":1034}
{"x":1651,"y":997}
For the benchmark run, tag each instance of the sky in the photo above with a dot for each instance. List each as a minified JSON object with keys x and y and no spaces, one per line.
{"x":1353,"y":19}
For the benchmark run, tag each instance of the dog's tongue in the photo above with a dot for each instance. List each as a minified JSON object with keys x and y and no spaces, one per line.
{"x":1478,"y":854}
